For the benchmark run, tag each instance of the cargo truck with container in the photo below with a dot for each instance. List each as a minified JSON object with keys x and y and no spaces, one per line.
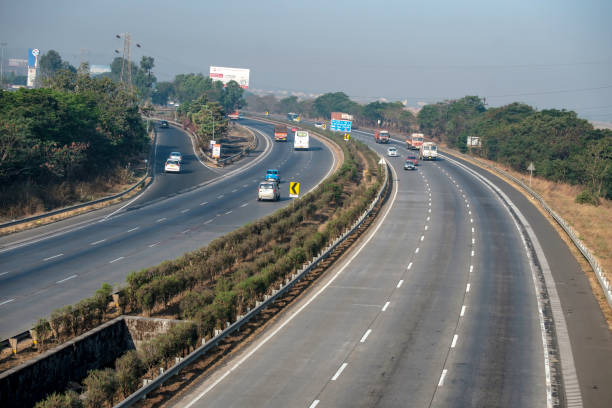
{"x":301,"y":140}
{"x":428,"y":151}
{"x":280,"y":133}
{"x":381,"y":136}
{"x":415,"y":141}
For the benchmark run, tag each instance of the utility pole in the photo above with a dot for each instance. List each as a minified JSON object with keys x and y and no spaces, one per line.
{"x":3,"y":45}
{"x":126,"y":62}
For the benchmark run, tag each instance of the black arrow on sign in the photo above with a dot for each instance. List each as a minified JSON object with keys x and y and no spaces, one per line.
{"x":293,"y":186}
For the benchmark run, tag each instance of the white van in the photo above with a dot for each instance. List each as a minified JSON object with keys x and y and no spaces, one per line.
{"x":301,"y":140}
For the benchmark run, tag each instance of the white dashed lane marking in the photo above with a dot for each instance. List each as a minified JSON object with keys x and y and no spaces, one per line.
{"x":115,"y":260}
{"x":6,"y":301}
{"x":385,"y":306}
{"x":53,"y":257}
{"x":155,"y":244}
{"x":66,"y":279}
{"x":185,"y":210}
{"x":244,"y":205}
{"x":399,"y":284}
{"x":340,"y":370}
{"x":454,"y":343}
{"x":462,"y":311}
{"x":365,"y":336}
{"x":204,"y":203}
{"x":161,"y":219}
{"x":133,"y":229}
{"x":98,"y":242}
{"x":441,"y":382}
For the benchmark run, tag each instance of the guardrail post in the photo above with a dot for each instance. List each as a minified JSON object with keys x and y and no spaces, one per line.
{"x":13,"y":343}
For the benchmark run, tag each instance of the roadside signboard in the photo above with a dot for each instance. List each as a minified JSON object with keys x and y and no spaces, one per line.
{"x":225,"y":74}
{"x":216,"y":151}
{"x":341,"y":122}
{"x":294,"y":189}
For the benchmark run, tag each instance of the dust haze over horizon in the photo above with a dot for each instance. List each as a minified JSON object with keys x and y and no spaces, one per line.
{"x":548,"y":54}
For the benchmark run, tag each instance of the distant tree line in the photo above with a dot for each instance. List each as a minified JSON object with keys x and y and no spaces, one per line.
{"x":563,"y":147}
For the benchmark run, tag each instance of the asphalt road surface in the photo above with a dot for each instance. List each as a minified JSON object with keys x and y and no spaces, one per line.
{"x":436,"y":306}
{"x":43,"y":270}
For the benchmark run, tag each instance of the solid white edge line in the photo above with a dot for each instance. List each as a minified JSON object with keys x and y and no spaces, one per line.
{"x":307,"y":303}
{"x":365,"y":336}
{"x":385,"y":306}
{"x":340,"y":370}
{"x":441,"y":382}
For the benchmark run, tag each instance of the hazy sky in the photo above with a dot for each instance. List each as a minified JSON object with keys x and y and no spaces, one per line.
{"x":547,"y":53}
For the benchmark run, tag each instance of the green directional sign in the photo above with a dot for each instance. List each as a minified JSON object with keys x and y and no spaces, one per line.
{"x":294,"y":189}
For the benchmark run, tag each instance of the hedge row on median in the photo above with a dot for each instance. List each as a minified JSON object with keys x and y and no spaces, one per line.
{"x":215,"y":284}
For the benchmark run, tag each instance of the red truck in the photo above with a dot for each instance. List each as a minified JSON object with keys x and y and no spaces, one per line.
{"x":381,"y":136}
{"x":235,"y":115}
{"x":414,"y":141}
{"x":280,"y":133}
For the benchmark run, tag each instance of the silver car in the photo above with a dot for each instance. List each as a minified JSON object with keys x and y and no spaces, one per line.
{"x":268,"y":190}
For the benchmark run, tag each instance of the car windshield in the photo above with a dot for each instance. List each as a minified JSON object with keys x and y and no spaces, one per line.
{"x":433,"y":147}
{"x":172,"y":162}
{"x":266,"y":186}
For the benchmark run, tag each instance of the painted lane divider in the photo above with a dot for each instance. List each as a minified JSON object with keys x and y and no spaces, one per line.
{"x":314,"y":404}
{"x":365,"y":336}
{"x":118,"y":259}
{"x":66,"y":279}
{"x":204,"y":203}
{"x":409,"y":265}
{"x":98,"y":242}
{"x":462,"y":311}
{"x":185,"y":210}
{"x":340,"y":370}
{"x":133,"y":229}
{"x":385,"y":306}
{"x":161,"y":219}
{"x":454,"y":342}
{"x":7,"y":301}
{"x":244,"y":205}
{"x":416,"y":251}
{"x":53,"y":257}
{"x":441,"y":382}
{"x":467,"y":288}
{"x":155,"y":244}
{"x":399,"y":284}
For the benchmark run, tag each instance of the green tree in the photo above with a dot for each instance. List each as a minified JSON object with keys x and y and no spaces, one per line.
{"x":232,"y":97}
{"x":51,"y":62}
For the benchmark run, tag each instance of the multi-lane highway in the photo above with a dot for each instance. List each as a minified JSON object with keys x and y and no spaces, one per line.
{"x":439,"y":305}
{"x":44,"y":269}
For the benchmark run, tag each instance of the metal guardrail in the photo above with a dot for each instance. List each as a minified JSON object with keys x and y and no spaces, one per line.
{"x":193,"y":356}
{"x":148,"y":174}
{"x":601,"y":278}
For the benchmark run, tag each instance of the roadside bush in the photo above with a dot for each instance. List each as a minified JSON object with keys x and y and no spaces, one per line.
{"x":129,"y":368}
{"x":69,"y":399}
{"x":101,"y":386}
{"x":587,"y":197}
{"x":193,"y":301}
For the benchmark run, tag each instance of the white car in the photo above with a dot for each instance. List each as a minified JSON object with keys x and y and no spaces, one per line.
{"x":318,"y":125}
{"x":176,"y":156}
{"x":172,"y":166}
{"x":392,"y":152}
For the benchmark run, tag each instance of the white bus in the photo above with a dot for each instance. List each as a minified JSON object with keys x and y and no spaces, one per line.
{"x":301,"y":140}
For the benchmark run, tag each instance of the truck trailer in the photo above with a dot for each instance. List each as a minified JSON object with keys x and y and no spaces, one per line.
{"x":381,"y":136}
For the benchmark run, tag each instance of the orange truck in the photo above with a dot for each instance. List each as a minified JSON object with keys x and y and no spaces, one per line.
{"x":381,"y":136}
{"x":280,"y":133}
{"x":414,"y":141}
{"x":235,"y":115}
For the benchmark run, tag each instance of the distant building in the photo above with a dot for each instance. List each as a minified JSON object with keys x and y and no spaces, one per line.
{"x":99,"y":69}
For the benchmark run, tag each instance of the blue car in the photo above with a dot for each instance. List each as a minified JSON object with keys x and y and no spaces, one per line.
{"x":273,"y":175}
